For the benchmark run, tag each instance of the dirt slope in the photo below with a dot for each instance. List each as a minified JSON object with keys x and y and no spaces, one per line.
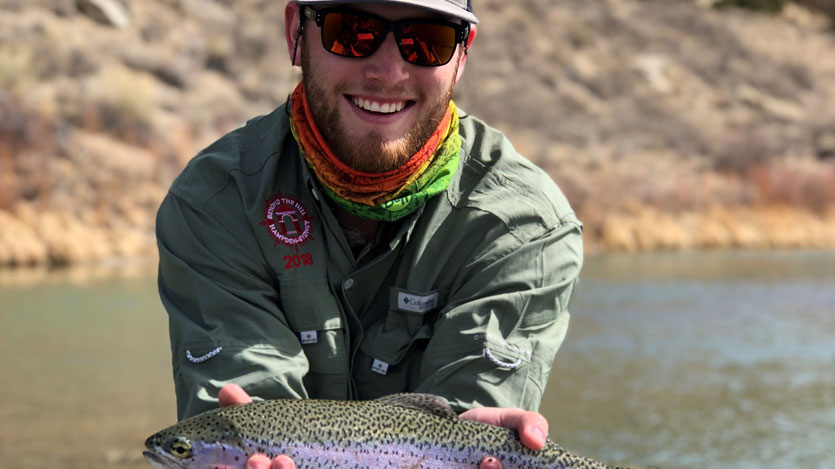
{"x":669,"y":125}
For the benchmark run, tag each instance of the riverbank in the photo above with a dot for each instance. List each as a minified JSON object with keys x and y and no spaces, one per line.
{"x":44,"y":237}
{"x":651,"y":229}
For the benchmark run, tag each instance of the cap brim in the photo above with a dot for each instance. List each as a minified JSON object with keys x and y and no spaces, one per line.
{"x":441,"y":6}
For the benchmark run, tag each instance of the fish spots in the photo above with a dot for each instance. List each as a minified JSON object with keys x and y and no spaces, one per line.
{"x":327,"y":434}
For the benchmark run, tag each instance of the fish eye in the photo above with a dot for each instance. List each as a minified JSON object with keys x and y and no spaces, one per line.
{"x":180,"y":448}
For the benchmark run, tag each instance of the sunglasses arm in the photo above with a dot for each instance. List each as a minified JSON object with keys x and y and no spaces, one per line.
{"x":299,"y":31}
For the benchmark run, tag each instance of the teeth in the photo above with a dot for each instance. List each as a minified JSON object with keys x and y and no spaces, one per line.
{"x":374,"y":106}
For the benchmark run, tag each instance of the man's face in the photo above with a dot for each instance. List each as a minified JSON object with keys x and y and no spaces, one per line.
{"x":375,"y":112}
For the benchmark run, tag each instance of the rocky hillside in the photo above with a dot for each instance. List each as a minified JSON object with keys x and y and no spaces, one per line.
{"x":668,"y":123}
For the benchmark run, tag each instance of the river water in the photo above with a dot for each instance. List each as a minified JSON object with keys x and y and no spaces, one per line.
{"x":722,"y":359}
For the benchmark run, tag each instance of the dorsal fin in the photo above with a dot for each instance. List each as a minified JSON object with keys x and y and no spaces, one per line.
{"x":429,"y":403}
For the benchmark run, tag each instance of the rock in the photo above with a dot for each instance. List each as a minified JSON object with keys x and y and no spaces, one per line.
{"x":155,"y":61}
{"x":779,"y":108}
{"x":63,"y":8}
{"x":106,"y":12}
{"x":825,"y":144}
{"x":653,"y":68}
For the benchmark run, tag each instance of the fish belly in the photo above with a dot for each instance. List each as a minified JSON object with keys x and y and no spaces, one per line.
{"x":406,"y":456}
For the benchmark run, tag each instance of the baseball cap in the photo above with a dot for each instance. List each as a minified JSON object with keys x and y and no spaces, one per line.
{"x":455,"y":8}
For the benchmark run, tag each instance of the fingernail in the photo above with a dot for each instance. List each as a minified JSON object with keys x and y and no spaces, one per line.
{"x":540,"y":437}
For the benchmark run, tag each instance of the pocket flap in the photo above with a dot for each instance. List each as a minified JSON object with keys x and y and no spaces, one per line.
{"x":391,"y":345}
{"x":309,"y":305}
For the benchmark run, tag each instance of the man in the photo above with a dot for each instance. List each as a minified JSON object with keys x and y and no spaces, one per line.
{"x":368,"y":238}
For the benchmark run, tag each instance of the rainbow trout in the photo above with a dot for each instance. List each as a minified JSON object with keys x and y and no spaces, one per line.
{"x":397,"y":431}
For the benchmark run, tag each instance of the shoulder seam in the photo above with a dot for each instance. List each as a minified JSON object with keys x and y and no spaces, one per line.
{"x":202,"y":208}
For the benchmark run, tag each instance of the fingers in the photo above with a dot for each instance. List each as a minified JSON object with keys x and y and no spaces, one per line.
{"x":488,"y":415}
{"x":283,"y":462}
{"x":259,"y":461}
{"x":232,"y":394}
{"x":533,"y":430}
{"x":490,"y":463}
{"x":531,"y":426}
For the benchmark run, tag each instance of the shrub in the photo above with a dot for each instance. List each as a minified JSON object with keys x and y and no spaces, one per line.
{"x":121,"y":102}
{"x":26,"y":137}
{"x":827,"y":7}
{"x":769,"y":6}
{"x":15,"y":68}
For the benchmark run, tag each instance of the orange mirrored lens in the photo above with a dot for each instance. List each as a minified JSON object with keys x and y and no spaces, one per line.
{"x":351,"y":35}
{"x":427,"y":44}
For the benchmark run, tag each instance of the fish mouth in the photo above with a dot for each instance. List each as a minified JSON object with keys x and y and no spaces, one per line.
{"x":159,"y":462}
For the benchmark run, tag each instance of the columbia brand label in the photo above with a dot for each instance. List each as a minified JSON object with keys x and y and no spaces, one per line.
{"x":380,"y":367}
{"x":309,"y":337}
{"x":417,"y":303}
{"x":288,"y":222}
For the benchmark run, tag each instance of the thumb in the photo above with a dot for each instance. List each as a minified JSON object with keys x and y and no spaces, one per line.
{"x":232,"y":394}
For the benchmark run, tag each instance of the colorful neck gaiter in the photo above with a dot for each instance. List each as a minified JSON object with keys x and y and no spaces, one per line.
{"x":385,"y":196}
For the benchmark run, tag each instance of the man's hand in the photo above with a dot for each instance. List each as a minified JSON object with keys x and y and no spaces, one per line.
{"x":232,"y":394}
{"x":531,"y":426}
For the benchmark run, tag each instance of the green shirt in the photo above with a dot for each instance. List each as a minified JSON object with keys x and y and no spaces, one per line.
{"x":467,"y":298}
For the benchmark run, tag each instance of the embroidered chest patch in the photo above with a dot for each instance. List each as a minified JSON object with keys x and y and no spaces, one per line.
{"x":288,"y":221}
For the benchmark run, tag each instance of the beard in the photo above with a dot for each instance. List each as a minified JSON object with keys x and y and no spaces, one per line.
{"x":371,"y":152}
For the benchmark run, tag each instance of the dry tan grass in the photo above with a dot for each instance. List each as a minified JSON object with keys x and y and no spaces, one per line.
{"x":15,"y":68}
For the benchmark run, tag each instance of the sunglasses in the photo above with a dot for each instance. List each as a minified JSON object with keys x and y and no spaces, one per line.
{"x":354,"y":34}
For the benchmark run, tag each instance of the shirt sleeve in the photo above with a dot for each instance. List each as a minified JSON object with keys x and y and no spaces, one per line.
{"x":496,"y":339}
{"x":225,"y":321}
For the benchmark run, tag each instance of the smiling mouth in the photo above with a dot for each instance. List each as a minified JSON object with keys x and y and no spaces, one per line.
{"x":371,"y":105}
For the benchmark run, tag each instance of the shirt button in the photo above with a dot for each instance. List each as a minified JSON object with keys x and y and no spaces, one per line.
{"x":348,"y":283}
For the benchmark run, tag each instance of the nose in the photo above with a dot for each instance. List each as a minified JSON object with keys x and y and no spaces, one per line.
{"x":386,"y":65}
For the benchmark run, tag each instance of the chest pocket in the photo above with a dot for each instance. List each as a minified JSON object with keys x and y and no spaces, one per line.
{"x":314,"y":316}
{"x":392,"y":348}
